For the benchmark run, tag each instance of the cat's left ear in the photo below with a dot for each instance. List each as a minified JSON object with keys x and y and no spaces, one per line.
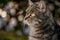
{"x":42,"y":3}
{"x":30,"y":2}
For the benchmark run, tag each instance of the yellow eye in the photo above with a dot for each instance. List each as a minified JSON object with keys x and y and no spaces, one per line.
{"x":32,"y":15}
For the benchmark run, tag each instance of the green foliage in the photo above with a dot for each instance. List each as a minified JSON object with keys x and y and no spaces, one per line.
{"x":11,"y":36}
{"x":3,"y":2}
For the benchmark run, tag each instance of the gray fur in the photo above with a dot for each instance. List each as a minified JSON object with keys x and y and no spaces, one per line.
{"x":41,"y":25}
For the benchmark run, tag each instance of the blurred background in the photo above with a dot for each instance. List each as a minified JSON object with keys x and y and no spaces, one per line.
{"x":12,"y":13}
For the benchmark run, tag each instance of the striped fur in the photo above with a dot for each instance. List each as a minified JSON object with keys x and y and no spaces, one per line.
{"x":41,"y":24}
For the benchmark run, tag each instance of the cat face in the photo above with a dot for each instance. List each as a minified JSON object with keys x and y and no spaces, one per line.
{"x":35,"y":12}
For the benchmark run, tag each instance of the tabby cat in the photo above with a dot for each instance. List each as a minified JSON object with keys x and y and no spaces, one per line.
{"x":40,"y":21}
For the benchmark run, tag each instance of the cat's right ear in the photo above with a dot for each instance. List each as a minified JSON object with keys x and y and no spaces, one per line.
{"x":30,"y":2}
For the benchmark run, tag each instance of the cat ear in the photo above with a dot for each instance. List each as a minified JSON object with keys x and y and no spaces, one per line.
{"x":30,"y":2}
{"x":42,"y":3}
